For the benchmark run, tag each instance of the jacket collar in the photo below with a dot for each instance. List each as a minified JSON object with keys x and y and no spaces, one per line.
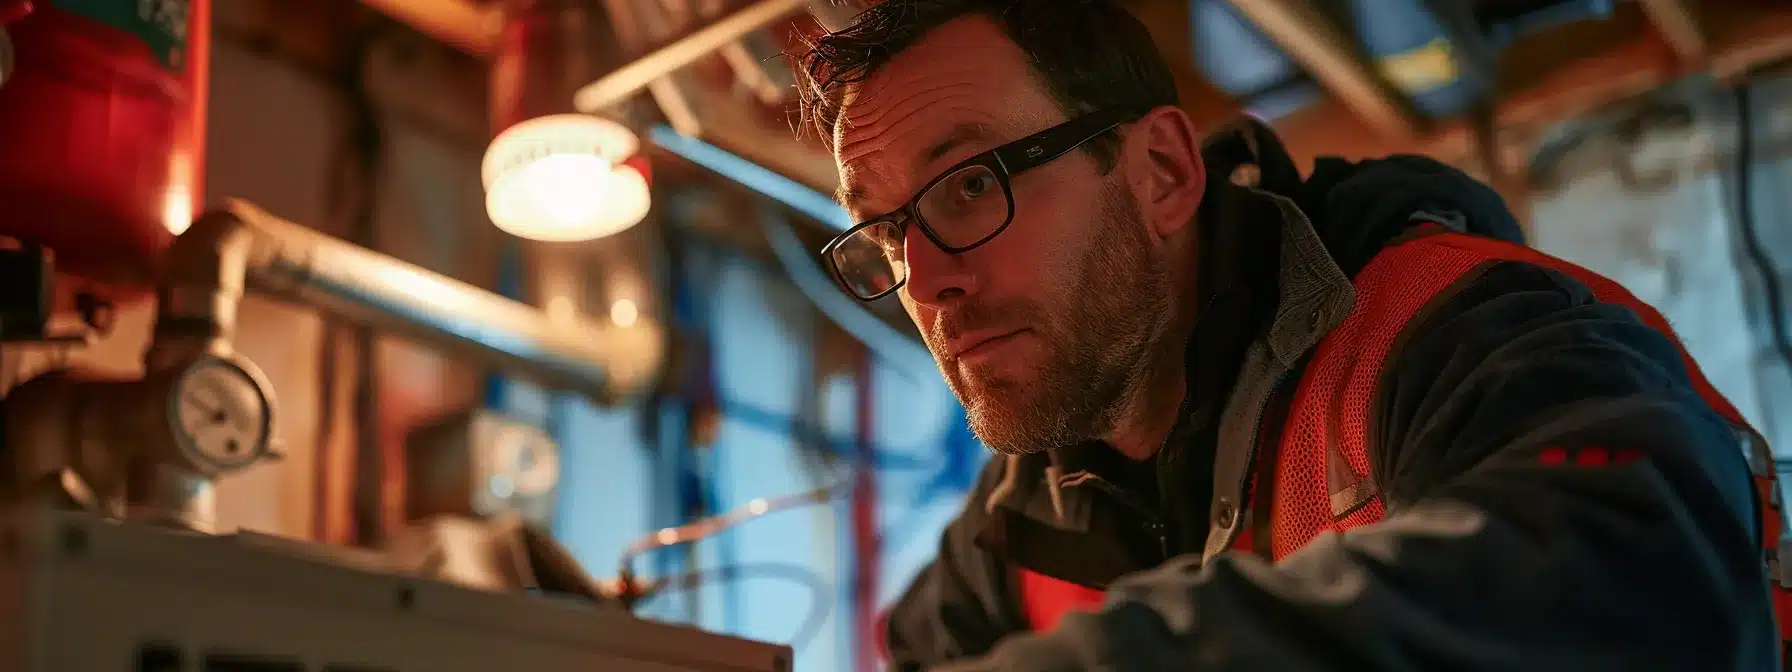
{"x":1311,"y":297}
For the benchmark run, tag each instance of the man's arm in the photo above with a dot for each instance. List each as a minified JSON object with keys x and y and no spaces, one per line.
{"x":1495,"y":555}
{"x":959,"y":605}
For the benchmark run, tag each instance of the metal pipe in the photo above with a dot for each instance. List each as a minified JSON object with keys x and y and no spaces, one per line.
{"x":288,"y":261}
{"x":625,"y":81}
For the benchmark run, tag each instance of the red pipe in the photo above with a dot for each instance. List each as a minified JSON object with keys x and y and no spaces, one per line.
{"x":866,"y":537}
{"x":198,"y":73}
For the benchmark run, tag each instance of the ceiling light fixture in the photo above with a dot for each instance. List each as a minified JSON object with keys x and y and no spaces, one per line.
{"x":550,"y":173}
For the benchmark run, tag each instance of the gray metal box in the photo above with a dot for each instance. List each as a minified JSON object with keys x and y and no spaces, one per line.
{"x":84,"y":594}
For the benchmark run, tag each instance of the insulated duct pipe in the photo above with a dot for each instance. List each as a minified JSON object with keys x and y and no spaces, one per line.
{"x":242,"y":248}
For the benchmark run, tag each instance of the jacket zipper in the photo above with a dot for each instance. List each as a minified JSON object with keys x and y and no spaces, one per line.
{"x":1153,"y":522}
{"x":1164,"y":465}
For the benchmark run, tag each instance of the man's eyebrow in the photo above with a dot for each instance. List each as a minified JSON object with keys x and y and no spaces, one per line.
{"x":848,"y":195}
{"x":960,"y":135}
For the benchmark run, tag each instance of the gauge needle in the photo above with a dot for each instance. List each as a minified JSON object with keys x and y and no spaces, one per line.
{"x":216,"y":414}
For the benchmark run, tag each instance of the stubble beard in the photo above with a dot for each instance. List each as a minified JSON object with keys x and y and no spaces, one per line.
{"x":1097,"y":333}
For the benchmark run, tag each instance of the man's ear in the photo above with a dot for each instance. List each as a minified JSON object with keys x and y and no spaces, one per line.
{"x":1164,"y":169}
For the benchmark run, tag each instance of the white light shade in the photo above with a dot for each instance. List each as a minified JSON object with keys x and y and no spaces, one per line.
{"x":561,"y":178}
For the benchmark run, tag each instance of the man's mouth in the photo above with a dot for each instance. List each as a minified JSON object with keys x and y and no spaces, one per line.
{"x":980,"y":345}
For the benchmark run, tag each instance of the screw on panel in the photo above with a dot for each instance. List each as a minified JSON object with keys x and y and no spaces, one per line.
{"x":407,"y":598}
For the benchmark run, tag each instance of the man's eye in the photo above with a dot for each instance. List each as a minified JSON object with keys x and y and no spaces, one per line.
{"x":973,"y":186}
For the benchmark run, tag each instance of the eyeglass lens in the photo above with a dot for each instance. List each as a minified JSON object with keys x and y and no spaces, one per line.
{"x":961,"y":210}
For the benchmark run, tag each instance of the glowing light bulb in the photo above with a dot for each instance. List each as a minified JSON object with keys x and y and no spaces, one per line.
{"x":624,"y":313}
{"x":560,"y":178}
{"x":177,"y":201}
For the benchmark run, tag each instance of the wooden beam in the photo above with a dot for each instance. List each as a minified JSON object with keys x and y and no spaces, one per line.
{"x":1538,"y":87}
{"x":1573,"y":89}
{"x":462,"y":24}
{"x":1680,"y":26}
{"x":625,"y":81}
{"x":1748,"y":39}
{"x":1333,"y":59}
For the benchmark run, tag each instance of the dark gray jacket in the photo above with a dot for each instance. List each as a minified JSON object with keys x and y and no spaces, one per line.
{"x":1489,"y":558}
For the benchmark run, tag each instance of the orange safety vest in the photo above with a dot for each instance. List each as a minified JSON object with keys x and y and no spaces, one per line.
{"x":1321,"y":469}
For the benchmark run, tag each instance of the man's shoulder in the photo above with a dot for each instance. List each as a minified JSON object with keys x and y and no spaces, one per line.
{"x":1488,"y":269}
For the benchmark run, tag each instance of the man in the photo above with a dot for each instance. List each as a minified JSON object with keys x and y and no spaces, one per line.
{"x":1326,"y":430}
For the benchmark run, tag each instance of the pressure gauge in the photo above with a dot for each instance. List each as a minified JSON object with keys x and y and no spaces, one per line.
{"x":524,"y":463}
{"x":221,"y":414}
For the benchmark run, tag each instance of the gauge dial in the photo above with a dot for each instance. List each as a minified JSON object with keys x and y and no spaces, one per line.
{"x":221,"y":415}
{"x":524,"y":463}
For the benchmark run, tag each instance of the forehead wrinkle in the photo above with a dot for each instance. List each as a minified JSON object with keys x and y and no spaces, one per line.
{"x":873,"y":119}
{"x":906,"y":117}
{"x":947,"y":85}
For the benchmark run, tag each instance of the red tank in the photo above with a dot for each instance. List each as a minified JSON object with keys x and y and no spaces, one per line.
{"x":103,"y":123}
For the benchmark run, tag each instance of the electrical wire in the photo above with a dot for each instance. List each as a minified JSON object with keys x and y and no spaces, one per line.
{"x":1745,"y":223}
{"x":811,"y":623}
{"x":709,"y":527}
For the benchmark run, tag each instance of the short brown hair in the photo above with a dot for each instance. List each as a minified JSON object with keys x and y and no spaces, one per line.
{"x":1089,"y":54}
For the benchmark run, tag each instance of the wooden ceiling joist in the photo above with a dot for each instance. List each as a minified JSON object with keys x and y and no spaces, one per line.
{"x":1679,"y":25}
{"x":1612,"y":70}
{"x":462,"y":24}
{"x":1331,"y":57}
{"x":1559,"y":73}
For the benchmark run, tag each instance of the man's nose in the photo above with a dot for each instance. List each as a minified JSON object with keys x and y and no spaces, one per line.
{"x":935,"y":277}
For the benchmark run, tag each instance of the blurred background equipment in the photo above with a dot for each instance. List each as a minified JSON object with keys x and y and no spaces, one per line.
{"x":425,"y":308}
{"x":479,"y":464}
{"x":182,"y":602}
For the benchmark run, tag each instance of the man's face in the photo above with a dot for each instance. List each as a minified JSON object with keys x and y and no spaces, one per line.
{"x":1042,"y":331}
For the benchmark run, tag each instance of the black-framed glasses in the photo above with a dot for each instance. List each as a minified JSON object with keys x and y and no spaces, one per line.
{"x":964,"y":207}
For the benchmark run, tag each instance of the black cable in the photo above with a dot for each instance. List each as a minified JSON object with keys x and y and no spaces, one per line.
{"x":811,"y":624}
{"x":1745,"y":222}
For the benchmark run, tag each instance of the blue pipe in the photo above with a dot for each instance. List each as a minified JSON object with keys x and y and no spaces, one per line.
{"x":811,"y":203}
{"x":906,"y":356}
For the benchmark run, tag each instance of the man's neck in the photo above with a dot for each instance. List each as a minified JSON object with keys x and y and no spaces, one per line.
{"x":1147,"y":419}
{"x":1150,"y":409}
